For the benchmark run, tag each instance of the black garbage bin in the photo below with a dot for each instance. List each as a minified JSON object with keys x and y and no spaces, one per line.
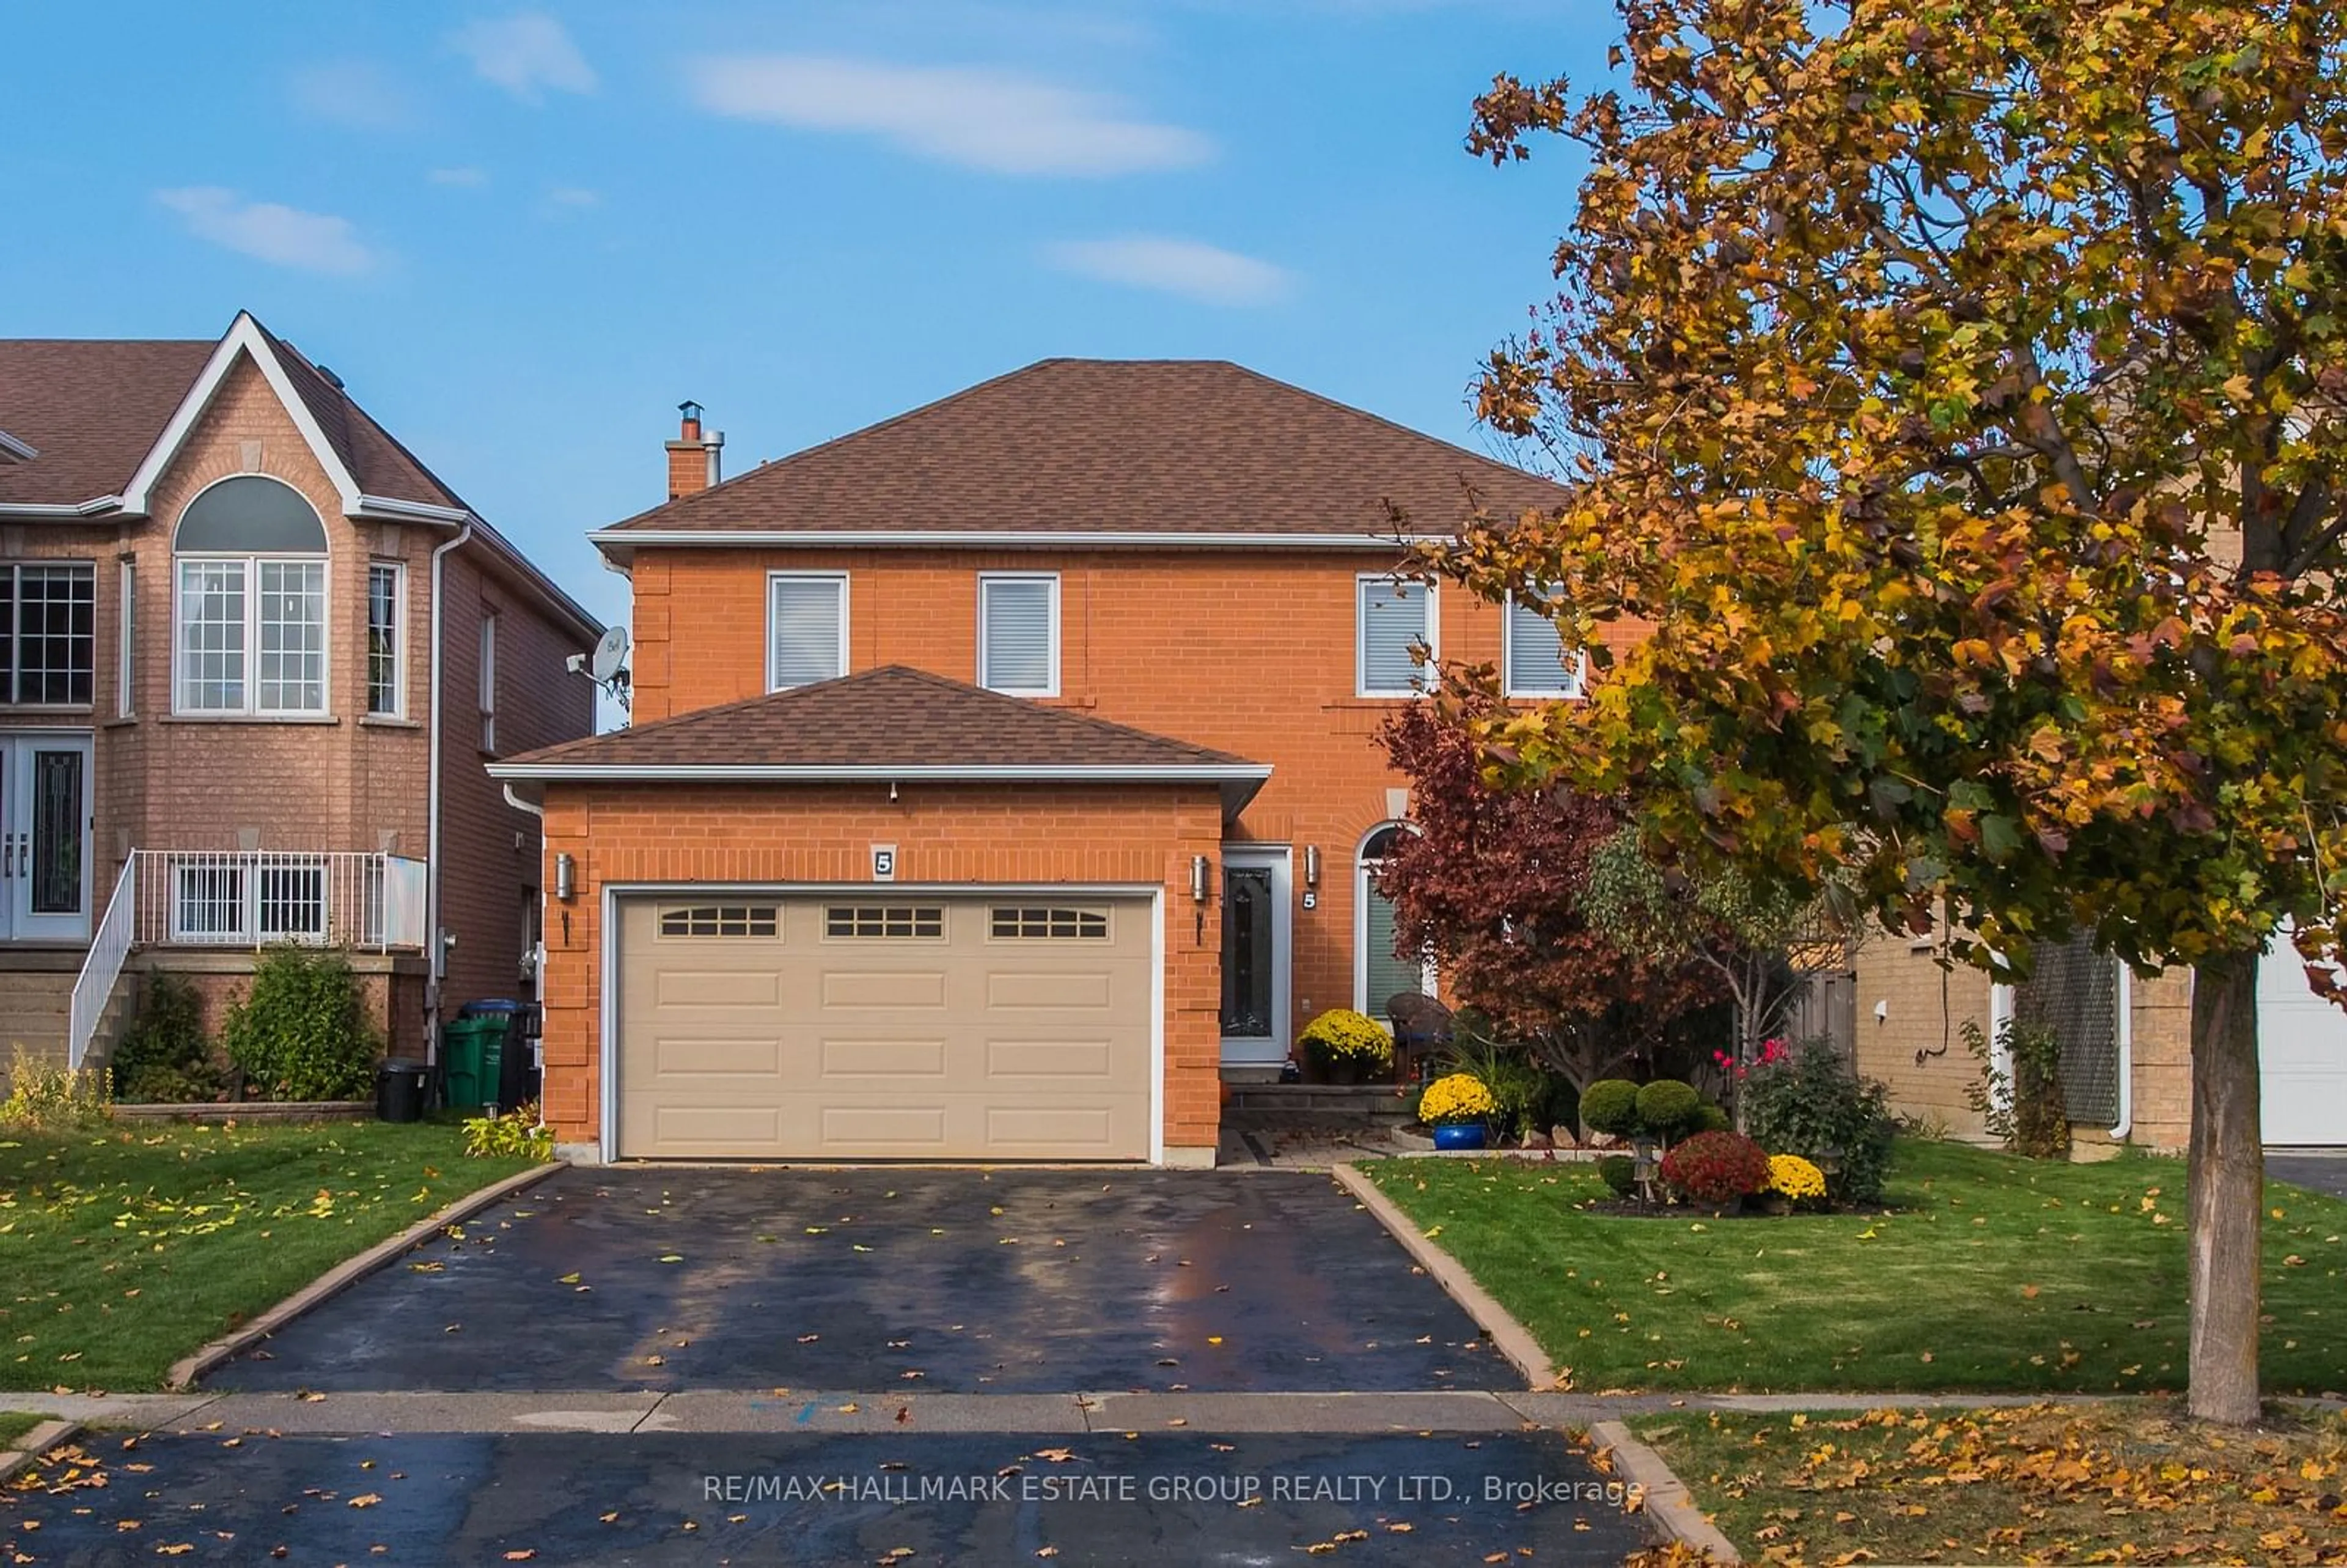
{"x":400,"y":1089}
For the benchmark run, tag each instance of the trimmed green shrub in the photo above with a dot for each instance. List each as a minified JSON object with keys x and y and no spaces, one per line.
{"x":1710,"y":1118}
{"x":301,"y":1031}
{"x":1620,"y":1173}
{"x":164,"y":1058}
{"x":1667,"y":1108}
{"x":1809,"y":1102}
{"x":1610,"y":1106}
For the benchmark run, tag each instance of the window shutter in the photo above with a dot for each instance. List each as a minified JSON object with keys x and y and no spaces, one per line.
{"x":1019,"y":635}
{"x":807,"y":631}
{"x":1393,"y":619}
{"x":1538,"y":665}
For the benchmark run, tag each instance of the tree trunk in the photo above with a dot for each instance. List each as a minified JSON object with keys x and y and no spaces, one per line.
{"x":2226,"y":1190}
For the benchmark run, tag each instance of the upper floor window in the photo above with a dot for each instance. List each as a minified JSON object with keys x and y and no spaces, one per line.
{"x":807,"y":627}
{"x":1394,"y":619}
{"x":251,"y":603}
{"x":386,"y":594}
{"x":489,"y":666}
{"x":49,"y":632}
{"x":1537,"y":664}
{"x":1018,"y":633}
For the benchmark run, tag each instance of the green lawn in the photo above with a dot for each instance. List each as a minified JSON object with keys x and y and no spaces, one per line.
{"x":126,"y":1248}
{"x":1992,"y":1274}
{"x":2078,"y":1483}
{"x":15,"y":1424}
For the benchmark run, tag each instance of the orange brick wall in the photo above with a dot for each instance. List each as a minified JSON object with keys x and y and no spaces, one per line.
{"x":1140,"y":835}
{"x":1251,"y":653}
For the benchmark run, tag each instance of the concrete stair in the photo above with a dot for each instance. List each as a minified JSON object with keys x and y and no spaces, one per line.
{"x":1277,"y":1107}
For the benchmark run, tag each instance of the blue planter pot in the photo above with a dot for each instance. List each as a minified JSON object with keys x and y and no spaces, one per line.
{"x":1458,"y":1135}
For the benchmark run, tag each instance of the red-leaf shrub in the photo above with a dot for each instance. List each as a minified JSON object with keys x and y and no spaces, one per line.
{"x":1716,"y":1167}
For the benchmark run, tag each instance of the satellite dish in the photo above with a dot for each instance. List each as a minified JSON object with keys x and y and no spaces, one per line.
{"x":609,"y":652}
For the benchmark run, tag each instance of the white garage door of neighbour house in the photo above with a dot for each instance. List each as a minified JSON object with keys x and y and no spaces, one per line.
{"x":2301,"y":1054}
{"x":889,"y":1025}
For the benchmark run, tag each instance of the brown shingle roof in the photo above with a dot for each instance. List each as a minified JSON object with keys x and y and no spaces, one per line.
{"x":1114,"y":446}
{"x":877,"y":719}
{"x":94,"y":407}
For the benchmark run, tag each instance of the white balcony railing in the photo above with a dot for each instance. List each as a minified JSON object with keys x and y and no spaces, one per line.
{"x":251,"y":898}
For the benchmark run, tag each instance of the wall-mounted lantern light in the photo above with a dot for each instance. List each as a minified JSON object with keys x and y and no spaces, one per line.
{"x":1198,"y":877}
{"x":565,"y":876}
{"x":1312,"y":866}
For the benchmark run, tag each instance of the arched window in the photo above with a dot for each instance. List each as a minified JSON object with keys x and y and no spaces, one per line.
{"x":1378,"y":976}
{"x":250,"y":611}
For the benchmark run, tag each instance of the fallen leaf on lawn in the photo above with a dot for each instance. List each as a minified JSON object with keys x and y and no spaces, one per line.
{"x":2030,"y":1291}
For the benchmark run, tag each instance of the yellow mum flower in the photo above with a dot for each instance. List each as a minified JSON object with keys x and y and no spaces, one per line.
{"x":1795,"y":1177}
{"x":1460,"y":1097}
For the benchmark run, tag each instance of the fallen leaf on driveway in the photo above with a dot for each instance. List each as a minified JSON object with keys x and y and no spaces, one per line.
{"x":1055,"y":1456}
{"x":524,"y":1555}
{"x":366,"y":1499}
{"x":672,"y":1257}
{"x":568,"y":1279}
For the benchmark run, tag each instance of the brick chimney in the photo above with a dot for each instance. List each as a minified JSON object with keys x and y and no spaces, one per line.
{"x":693,"y":458}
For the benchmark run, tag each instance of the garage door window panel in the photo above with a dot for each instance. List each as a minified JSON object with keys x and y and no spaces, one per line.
{"x":1047,"y":923}
{"x":743,"y":920}
{"x":885,"y":922}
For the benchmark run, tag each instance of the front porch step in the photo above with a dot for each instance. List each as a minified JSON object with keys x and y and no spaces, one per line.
{"x":1285,"y":1105}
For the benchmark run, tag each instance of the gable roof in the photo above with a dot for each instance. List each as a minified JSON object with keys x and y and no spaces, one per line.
{"x":88,"y":425}
{"x":888,"y":723}
{"x":1079,"y":450}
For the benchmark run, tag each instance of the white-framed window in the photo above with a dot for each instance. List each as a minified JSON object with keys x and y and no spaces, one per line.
{"x":1535,"y":662}
{"x":126,"y":648}
{"x":1393,"y":618}
{"x":1018,"y":633}
{"x":807,"y":627}
{"x":386,"y":612}
{"x":251,"y":607}
{"x":489,"y":667}
{"x":1379,"y":973}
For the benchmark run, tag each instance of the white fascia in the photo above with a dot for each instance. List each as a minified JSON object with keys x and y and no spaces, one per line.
{"x":244,"y":336}
{"x":62,"y":511}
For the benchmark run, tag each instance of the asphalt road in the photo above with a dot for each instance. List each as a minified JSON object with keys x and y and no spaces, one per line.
{"x":661,"y":1498}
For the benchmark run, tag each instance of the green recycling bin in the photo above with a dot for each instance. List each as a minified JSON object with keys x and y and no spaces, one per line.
{"x":472,"y":1056}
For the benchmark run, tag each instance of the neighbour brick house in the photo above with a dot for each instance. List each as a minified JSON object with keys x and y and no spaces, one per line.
{"x":242,"y":694}
{"x":835,"y":895}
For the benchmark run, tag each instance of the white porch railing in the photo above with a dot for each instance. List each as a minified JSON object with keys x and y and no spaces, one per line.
{"x":110,"y":945}
{"x":245,"y":898}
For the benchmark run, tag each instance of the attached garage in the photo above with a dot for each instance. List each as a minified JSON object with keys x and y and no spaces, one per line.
{"x":2302,"y":1056}
{"x":860,"y":1025}
{"x":889,"y":916}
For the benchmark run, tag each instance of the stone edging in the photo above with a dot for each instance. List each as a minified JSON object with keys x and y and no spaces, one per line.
{"x":1509,"y":1336}
{"x":347,"y":1273}
{"x":36,"y":1442}
{"x":271,"y":1110}
{"x":1666,"y":1500}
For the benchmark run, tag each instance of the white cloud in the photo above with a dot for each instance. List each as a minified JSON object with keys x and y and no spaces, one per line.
{"x":1190,"y":267}
{"x":353,"y":93}
{"x":956,"y":114}
{"x":574,"y":196}
{"x":525,"y":54}
{"x":313,"y":242}
{"x":464,"y":176}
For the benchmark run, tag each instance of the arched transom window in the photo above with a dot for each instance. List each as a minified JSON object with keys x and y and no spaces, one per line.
{"x":250,"y":616}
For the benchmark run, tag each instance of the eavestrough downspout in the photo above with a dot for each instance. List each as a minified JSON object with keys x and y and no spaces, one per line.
{"x":435,"y":950}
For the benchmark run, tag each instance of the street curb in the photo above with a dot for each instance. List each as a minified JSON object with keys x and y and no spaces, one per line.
{"x":1666,"y":1500}
{"x":184,"y":1372}
{"x":36,"y":1442}
{"x":1509,"y":1336}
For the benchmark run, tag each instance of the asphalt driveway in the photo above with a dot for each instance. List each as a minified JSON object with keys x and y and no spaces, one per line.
{"x":906,"y":1279}
{"x":2324,"y":1173}
{"x":678,"y":1498}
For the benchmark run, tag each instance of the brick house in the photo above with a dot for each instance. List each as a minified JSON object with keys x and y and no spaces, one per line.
{"x":1002,"y":775}
{"x":2127,"y":1041}
{"x":252,"y":657}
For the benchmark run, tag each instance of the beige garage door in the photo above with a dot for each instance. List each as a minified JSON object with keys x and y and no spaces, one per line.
{"x":884,"y":1027}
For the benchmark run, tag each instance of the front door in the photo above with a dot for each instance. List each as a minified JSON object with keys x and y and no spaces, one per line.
{"x":1255,"y":1031}
{"x":45,"y":837}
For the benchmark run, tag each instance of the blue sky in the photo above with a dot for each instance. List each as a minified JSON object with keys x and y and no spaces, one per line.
{"x":522,"y":235}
